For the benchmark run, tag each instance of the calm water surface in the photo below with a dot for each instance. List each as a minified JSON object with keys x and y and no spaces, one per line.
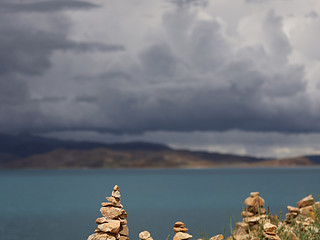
{"x":63,"y":204}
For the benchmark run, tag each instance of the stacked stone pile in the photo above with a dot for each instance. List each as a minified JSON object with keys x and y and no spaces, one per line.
{"x":145,"y":235}
{"x":303,"y":214}
{"x":253,"y":215}
{"x":181,"y":231}
{"x":113,"y":224}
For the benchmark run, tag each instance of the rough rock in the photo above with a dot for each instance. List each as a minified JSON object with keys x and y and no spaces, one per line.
{"x":254,"y":194}
{"x":112,"y":226}
{"x":113,"y":200}
{"x":307,"y":201}
{"x":111,"y":212}
{"x":293,"y":209}
{"x":124,"y":230}
{"x":180,"y":229}
{"x":245,"y":214}
{"x":270,"y":228}
{"x":217,"y":237}
{"x":179,"y":224}
{"x":116,"y":194}
{"x":108,"y":204}
{"x":144,"y":235}
{"x":254,"y":201}
{"x":182,"y":236}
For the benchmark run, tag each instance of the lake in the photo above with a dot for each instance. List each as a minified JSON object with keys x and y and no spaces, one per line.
{"x":63,"y":204}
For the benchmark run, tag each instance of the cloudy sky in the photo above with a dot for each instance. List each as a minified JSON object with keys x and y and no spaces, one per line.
{"x":237,"y":76}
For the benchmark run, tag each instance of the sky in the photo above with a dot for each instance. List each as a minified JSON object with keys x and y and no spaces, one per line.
{"x":234,"y":76}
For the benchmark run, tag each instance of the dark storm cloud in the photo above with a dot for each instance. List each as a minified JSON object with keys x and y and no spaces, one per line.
{"x":194,"y":78}
{"x":46,"y":6}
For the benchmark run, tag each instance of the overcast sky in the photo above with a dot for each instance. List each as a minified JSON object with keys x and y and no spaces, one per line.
{"x":237,"y":76}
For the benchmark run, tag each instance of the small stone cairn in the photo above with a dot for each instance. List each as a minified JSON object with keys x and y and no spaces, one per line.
{"x":145,"y":235}
{"x":181,"y":231}
{"x":113,"y":224}
{"x":253,"y":216}
{"x":304,"y":212}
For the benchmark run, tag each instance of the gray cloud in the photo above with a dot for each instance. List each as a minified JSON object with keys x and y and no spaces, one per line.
{"x":194,"y":77}
{"x":45,"y":6}
{"x":185,"y":3}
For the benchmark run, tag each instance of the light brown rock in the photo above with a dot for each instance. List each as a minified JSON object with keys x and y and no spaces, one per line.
{"x":112,"y":226}
{"x":92,"y":236}
{"x":123,"y":238}
{"x":307,"y":201}
{"x":217,"y":237}
{"x":293,"y":209}
{"x":242,"y":225}
{"x":108,"y":204}
{"x":113,"y":200}
{"x":306,"y":211}
{"x":180,"y":229}
{"x":182,"y":236}
{"x":116,"y":188}
{"x":116,"y":194}
{"x":270,"y":228}
{"x":179,"y":224}
{"x":254,"y":201}
{"x":123,"y":214}
{"x":245,"y":214}
{"x":254,"y":194}
{"x":124,"y":230}
{"x":241,"y":236}
{"x":144,"y":235}
{"x":256,"y":210}
{"x":111,"y":212}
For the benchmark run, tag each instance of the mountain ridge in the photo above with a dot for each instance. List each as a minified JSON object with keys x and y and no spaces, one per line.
{"x":28,"y":151}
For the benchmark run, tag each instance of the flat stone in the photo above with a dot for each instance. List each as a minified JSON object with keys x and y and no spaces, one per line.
{"x":108,"y":204}
{"x":111,"y":212}
{"x":217,"y":237}
{"x":271,"y":237}
{"x":179,"y":224}
{"x":103,"y":236}
{"x":123,"y":238}
{"x":182,"y":236}
{"x":254,"y":201}
{"x":270,"y":228}
{"x":113,"y":200}
{"x":112,"y":226}
{"x":124,"y":230}
{"x":144,"y":235}
{"x":180,"y":229}
{"x":245,"y":214}
{"x":293,"y":209}
{"x":254,"y":194}
{"x":307,"y":201}
{"x":254,"y":219}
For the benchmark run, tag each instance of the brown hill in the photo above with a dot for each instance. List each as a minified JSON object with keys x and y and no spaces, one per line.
{"x":108,"y":158}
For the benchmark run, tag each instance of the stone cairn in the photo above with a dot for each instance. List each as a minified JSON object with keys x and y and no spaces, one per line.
{"x":113,"y":224}
{"x":181,"y":231}
{"x":253,"y":216}
{"x":145,"y":235}
{"x":304,"y":212}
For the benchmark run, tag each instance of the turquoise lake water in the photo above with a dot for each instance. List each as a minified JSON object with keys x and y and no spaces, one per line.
{"x":63,"y":204}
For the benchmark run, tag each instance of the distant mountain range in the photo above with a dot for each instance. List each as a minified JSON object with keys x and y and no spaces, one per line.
{"x":28,"y":151}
